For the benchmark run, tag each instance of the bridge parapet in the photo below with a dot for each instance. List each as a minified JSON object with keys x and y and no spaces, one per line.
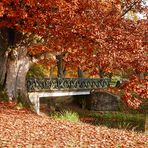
{"x":49,"y":84}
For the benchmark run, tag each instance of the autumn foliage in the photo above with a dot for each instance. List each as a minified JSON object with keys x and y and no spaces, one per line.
{"x":135,"y":91}
{"x":93,"y":34}
{"x":21,"y":128}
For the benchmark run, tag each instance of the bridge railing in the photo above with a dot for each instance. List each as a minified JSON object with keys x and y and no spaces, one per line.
{"x":49,"y":84}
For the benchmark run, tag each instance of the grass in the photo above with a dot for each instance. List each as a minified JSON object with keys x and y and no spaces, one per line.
{"x":127,"y":126}
{"x":116,"y":115}
{"x":118,"y":120}
{"x":66,"y":115}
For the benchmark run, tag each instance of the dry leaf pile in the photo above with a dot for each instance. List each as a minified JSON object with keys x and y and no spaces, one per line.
{"x":22,"y":128}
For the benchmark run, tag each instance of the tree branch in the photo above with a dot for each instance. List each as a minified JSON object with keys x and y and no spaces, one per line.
{"x":129,"y":8}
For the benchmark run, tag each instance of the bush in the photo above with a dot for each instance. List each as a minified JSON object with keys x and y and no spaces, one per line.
{"x":66,"y":115}
{"x":37,"y":70}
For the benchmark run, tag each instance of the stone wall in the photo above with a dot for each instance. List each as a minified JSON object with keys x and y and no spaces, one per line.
{"x":103,"y":101}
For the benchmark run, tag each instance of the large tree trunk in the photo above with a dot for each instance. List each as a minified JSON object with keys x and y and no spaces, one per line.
{"x":13,"y":73}
{"x":14,"y":64}
{"x":3,"y":55}
{"x":17,"y":67}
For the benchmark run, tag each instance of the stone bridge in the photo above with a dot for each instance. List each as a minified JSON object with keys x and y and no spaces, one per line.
{"x":53,"y":87}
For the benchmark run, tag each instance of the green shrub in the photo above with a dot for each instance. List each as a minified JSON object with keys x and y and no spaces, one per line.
{"x":37,"y":70}
{"x":21,"y":103}
{"x":114,"y":80}
{"x":66,"y":115}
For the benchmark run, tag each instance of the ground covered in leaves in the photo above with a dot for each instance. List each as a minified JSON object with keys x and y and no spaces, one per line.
{"x":22,"y":128}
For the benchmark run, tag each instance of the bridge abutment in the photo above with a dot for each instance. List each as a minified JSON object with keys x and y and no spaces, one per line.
{"x":35,"y":100}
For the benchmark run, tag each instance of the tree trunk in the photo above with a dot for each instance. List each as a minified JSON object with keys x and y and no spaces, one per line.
{"x":14,"y":64}
{"x":3,"y":63}
{"x":60,"y":65}
{"x":101,"y":72}
{"x":141,"y":75}
{"x":146,"y":123}
{"x":3,"y":54}
{"x":80,"y":73}
{"x":18,"y":65}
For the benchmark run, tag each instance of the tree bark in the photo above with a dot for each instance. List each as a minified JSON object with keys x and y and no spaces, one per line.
{"x":3,"y":63}
{"x":60,"y":65}
{"x":101,"y":72}
{"x":14,"y":64}
{"x":3,"y":54}
{"x":146,"y":123}
{"x":18,"y":65}
{"x":80,"y":73}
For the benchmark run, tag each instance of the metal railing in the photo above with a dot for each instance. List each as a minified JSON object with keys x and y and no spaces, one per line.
{"x":47,"y":84}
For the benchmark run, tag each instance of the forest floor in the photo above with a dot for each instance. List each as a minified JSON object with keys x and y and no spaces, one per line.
{"x":22,"y":128}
